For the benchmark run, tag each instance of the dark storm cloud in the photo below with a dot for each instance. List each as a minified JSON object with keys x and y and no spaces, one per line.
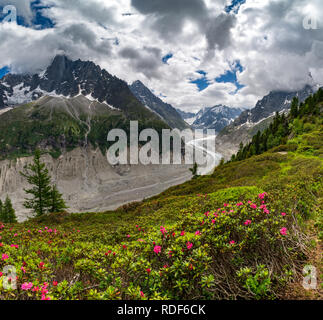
{"x":180,"y":8}
{"x":218,"y":31}
{"x":147,"y":61}
{"x":81,"y":34}
{"x":168,"y":16}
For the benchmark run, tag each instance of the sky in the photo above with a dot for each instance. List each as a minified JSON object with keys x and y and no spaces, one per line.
{"x":192,"y":53}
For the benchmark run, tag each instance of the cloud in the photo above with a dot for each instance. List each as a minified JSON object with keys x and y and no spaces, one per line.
{"x":267,"y":37}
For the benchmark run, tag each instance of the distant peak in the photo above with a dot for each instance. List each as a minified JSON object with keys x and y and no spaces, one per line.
{"x":138,"y":83}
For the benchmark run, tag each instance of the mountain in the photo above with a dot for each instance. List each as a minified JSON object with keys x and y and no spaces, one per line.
{"x":216,"y":117}
{"x":275,"y":101}
{"x":155,"y":104}
{"x":69,"y":79}
{"x":58,"y":124}
{"x":59,"y":107}
{"x":188,"y":117}
{"x":259,"y":118}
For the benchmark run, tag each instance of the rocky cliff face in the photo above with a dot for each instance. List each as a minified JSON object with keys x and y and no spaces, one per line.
{"x":155,"y":104}
{"x":89,"y":183}
{"x":69,"y":79}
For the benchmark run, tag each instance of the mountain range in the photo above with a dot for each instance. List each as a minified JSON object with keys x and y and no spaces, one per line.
{"x":66,"y":103}
{"x":217,"y":117}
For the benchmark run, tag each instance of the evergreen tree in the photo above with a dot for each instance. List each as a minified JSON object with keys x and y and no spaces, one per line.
{"x":9,"y":211}
{"x":194,"y":170}
{"x":2,"y":216}
{"x":257,"y":143}
{"x":57,"y":203}
{"x":294,"y":108}
{"x":37,"y":175}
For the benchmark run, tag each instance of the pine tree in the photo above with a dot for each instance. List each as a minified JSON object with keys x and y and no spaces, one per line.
{"x":294,"y":108}
{"x":37,"y":175}
{"x":194,"y":170}
{"x":57,"y":203}
{"x":9,"y":212}
{"x":2,"y":216}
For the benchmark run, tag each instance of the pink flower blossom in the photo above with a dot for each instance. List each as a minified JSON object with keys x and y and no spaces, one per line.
{"x":189,"y":245}
{"x":262,"y":195}
{"x":239,"y":204}
{"x":283,"y":214}
{"x":253,"y":206}
{"x":283,"y":231}
{"x":157,"y":249}
{"x":163,"y":230}
{"x":247,"y":222}
{"x":142,"y":294}
{"x":198,"y":233}
{"x":4,"y":257}
{"x":213,"y":221}
{"x":183,"y":233}
{"x":23,"y":269}
{"x":232,"y":242}
{"x":26,"y":286}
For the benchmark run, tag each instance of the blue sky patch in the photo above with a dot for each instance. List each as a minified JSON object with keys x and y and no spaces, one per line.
{"x":201,"y":83}
{"x":167,"y":57}
{"x":231,"y":76}
{"x":234,"y":6}
{"x":4,"y":71}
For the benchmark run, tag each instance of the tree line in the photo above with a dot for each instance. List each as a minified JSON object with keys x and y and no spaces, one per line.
{"x":278,"y":131}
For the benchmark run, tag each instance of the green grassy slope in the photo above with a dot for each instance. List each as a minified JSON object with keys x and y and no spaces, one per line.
{"x":56,"y":125}
{"x":240,"y":233}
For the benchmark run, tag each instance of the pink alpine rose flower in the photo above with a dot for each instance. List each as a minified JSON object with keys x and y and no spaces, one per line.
{"x":4,"y":257}
{"x":26,"y":286}
{"x":189,"y":245}
{"x":283,"y":231}
{"x":157,"y":249}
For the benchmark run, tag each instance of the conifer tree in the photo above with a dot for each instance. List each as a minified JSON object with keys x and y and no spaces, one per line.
{"x":57,"y":203}
{"x":9,"y":212}
{"x":2,"y":216}
{"x":294,"y":108}
{"x":194,"y":170}
{"x":37,"y":175}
